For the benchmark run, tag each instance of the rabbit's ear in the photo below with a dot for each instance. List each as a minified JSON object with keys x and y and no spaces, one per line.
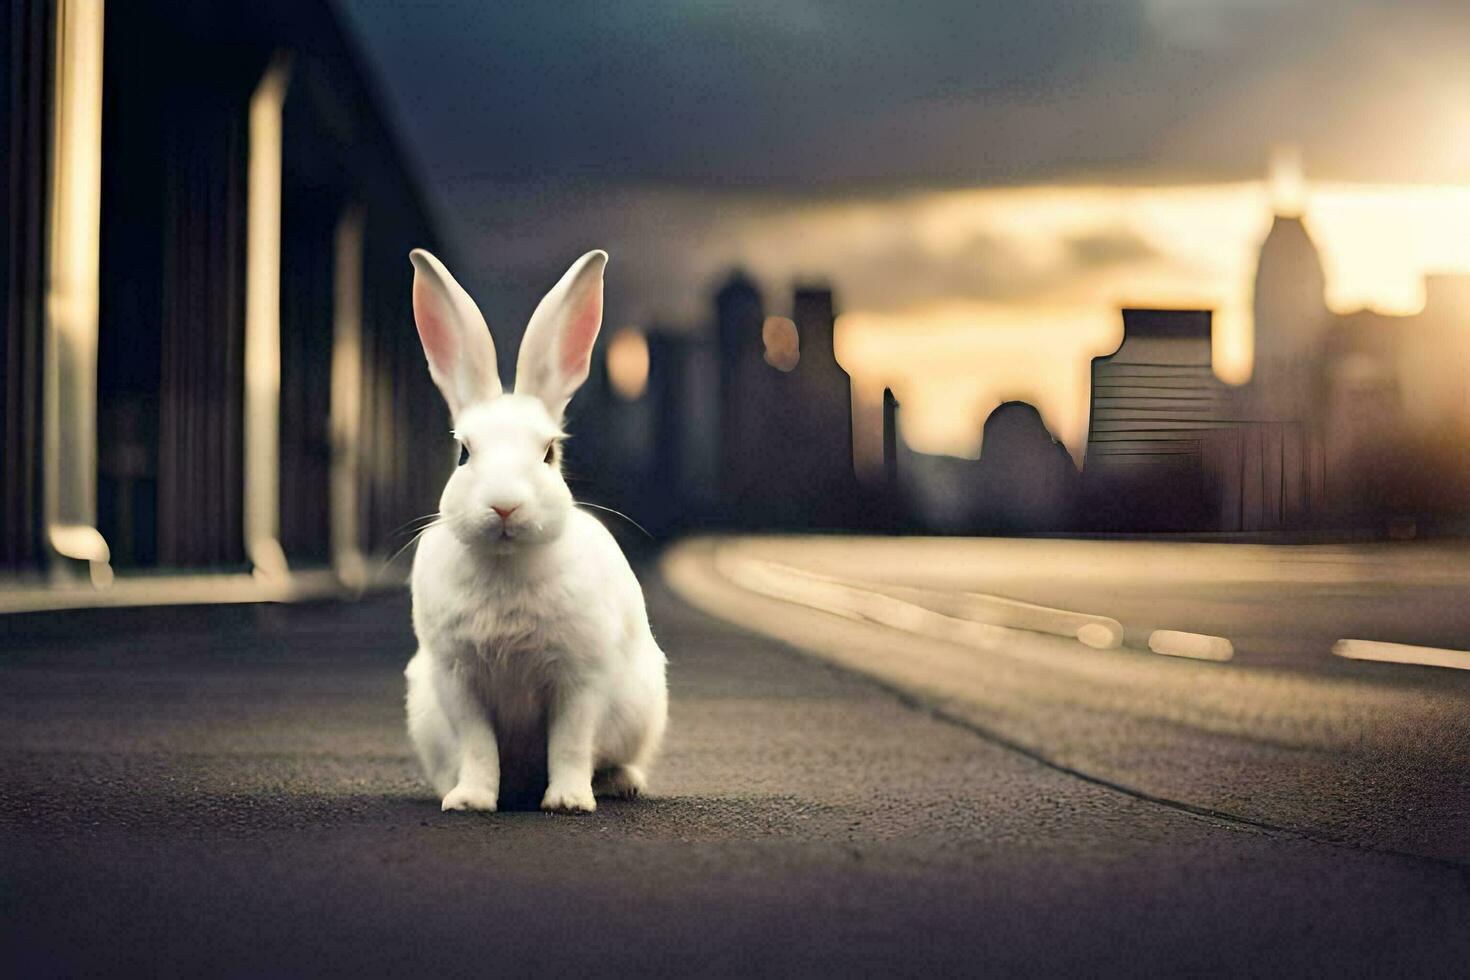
{"x":556,"y":351}
{"x":456,"y":341}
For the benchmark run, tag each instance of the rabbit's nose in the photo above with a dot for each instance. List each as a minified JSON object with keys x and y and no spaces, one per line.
{"x":504,"y":512}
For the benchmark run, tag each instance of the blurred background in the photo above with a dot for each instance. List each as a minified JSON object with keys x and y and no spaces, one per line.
{"x":1186,"y":267}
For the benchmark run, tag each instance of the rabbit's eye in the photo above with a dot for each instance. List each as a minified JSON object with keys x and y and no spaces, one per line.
{"x":550,"y":454}
{"x":464,"y":454}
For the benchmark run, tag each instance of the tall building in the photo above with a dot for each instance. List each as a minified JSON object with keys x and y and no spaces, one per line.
{"x":785,"y":423}
{"x":1282,"y":452}
{"x":1291,"y":326}
{"x":27,"y":114}
{"x":210,"y":361}
{"x":1360,"y":413}
{"x":1169,"y":448}
{"x":823,"y":412}
{"x":1155,"y":401}
{"x":744,"y":388}
{"x":818,"y":407}
{"x":890,"y":439}
{"x":679,"y":484}
{"x":1251,"y":458}
{"x":1395,"y":411}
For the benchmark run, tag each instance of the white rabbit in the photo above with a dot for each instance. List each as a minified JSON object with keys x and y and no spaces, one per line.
{"x":536,"y":666}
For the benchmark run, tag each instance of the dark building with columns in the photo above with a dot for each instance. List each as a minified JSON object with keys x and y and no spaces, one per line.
{"x":210,"y":365}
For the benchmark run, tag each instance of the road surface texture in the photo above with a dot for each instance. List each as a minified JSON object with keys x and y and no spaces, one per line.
{"x":1286,"y":735}
{"x":228,"y":790}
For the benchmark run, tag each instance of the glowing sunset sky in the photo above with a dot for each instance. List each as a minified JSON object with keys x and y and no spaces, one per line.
{"x":983,"y":183}
{"x":953,"y":359}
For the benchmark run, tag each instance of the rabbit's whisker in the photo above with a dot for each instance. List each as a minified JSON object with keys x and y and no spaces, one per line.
{"x":406,"y":525}
{"x":411,"y":542}
{"x":583,"y":503}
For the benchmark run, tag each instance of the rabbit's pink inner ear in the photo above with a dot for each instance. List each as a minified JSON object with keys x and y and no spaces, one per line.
{"x":436,"y":329}
{"x":580,"y":333}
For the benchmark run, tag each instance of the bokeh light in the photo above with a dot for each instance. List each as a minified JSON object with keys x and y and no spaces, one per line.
{"x":783,"y":344}
{"x":627,"y":363}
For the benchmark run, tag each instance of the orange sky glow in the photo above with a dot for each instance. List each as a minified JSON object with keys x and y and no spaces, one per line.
{"x":951,"y":359}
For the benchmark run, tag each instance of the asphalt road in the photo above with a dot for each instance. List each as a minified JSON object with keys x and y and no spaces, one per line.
{"x":229,"y":791}
{"x":1286,"y":734}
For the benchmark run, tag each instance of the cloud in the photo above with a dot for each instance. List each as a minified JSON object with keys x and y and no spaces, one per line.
{"x":1108,"y":247}
{"x":670,"y":246}
{"x":840,"y":140}
{"x":1206,"y":25}
{"x":818,"y":94}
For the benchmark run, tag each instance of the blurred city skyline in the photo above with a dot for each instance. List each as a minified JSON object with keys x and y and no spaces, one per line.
{"x":1039,"y":186}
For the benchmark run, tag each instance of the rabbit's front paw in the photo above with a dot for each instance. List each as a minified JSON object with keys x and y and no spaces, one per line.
{"x":573,"y":799}
{"x":625,"y":782}
{"x":467,"y":796}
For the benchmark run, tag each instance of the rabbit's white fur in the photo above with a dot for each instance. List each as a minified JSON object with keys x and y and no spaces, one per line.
{"x":534,"y":644}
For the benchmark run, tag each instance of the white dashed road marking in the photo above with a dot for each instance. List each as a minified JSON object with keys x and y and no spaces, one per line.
{"x":1402,"y":653}
{"x":1197,"y":646}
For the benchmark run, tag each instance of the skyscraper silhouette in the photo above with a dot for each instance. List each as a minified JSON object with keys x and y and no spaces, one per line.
{"x":890,"y":439}
{"x":744,"y":391}
{"x":818,"y":409}
{"x":1291,"y":326}
{"x":1154,"y":403}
